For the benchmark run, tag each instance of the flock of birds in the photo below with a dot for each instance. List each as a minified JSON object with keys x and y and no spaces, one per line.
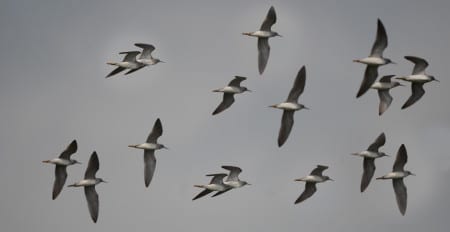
{"x":218,"y":183}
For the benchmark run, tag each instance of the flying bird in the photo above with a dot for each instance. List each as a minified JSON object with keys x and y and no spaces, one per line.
{"x":383,"y":86}
{"x":369,"y":156}
{"x":397,"y":175}
{"x":374,"y":60}
{"x":264,"y":33}
{"x":229,"y":92}
{"x":232,"y":181}
{"x":128,"y":62}
{"x":216,"y":184}
{"x":290,"y":106}
{"x":149,"y":148}
{"x":311,"y":180}
{"x":417,"y":79}
{"x":146,"y":57}
{"x":60,"y":167}
{"x":89,"y":183}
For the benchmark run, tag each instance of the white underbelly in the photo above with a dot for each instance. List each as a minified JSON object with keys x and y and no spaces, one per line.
{"x":59,"y":161}
{"x":288,"y":106}
{"x":372,"y":61}
{"x":382,"y":85}
{"x":147,"y":146}
{"x":418,"y":78}
{"x":262,"y":34}
{"x":394,"y":175}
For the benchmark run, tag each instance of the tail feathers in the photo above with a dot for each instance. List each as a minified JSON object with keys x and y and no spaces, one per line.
{"x":46,"y":161}
{"x":246,"y":33}
{"x":380,"y":178}
{"x":111,"y":63}
{"x":72,"y":185}
{"x":199,"y":186}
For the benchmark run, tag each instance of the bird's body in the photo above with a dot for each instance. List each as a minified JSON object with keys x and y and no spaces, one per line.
{"x":89,"y":182}
{"x":383,"y":86}
{"x":146,"y":57}
{"x":369,"y":155}
{"x":126,"y":64}
{"x":213,"y":187}
{"x":263,"y":34}
{"x":231,"y":89}
{"x":397,"y":175}
{"x":418,"y":78}
{"x":374,"y":60}
{"x":290,"y":106}
{"x":61,"y":163}
{"x":149,"y":147}
{"x":310,"y":186}
{"x":234,"y":87}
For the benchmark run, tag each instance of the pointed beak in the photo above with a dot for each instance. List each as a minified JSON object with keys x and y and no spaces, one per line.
{"x":162,"y":61}
{"x":436,"y":80}
{"x":306,"y":108}
{"x":280,"y":35}
{"x":104,"y":181}
{"x":273,"y":106}
{"x":413,"y":174}
{"x":249,"y":184}
{"x":331,"y":179}
{"x":166,"y":148}
{"x":248,"y":90}
{"x":392,"y":62}
{"x":78,"y":162}
{"x":298,"y":180}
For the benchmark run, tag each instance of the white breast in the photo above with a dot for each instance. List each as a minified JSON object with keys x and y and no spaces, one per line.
{"x":262,"y":34}
{"x":147,"y":146}
{"x":373,"y":61}
{"x":418,"y":78}
{"x":382,"y":85}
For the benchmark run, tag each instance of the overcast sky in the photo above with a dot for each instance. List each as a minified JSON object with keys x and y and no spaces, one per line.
{"x":52,"y":68}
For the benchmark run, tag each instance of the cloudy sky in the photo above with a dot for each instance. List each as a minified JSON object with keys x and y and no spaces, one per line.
{"x":52,"y":68}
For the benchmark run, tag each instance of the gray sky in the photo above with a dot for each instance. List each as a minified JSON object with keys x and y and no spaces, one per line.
{"x":53,"y":90}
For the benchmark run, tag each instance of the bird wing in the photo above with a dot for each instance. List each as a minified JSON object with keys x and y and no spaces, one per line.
{"x":156,"y":132}
{"x":236,"y":81}
{"x":93,"y":166}
{"x":60,"y":180}
{"x":92,"y":201}
{"x":310,"y":189}
{"x":381,"y":41}
{"x":386,"y":79}
{"x":401,"y":159}
{"x":270,"y":20}
{"x":72,"y":148}
{"x":263,"y":53}
{"x":318,"y":170}
{"x":298,"y":87}
{"x":147,"y":50}
{"x":369,"y":170}
{"x":227,"y":101}
{"x":134,"y":70}
{"x":149,"y":166}
{"x":217,"y":178}
{"x":400,"y":194}
{"x":379,"y":141}
{"x":287,"y":121}
{"x":234,"y":172}
{"x":130,"y":56}
{"x":370,"y":76}
{"x":385,"y":101}
{"x":202,"y":194}
{"x":419,"y":64}
{"x":115,"y":71}
{"x":417,"y":92}
{"x":221,"y":192}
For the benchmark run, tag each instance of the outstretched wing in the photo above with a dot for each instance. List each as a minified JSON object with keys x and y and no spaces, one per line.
{"x":270,"y":20}
{"x":310,"y":189}
{"x":381,"y":41}
{"x":419,"y":64}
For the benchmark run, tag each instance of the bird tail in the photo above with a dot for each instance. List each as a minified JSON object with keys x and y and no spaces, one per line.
{"x":246,"y":33}
{"x":111,"y":63}
{"x":199,"y":186}
{"x":46,"y":161}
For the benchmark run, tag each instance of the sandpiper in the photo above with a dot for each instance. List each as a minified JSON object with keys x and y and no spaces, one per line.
{"x":417,"y":79}
{"x":311,"y":180}
{"x":264,"y":33}
{"x":369,"y":156}
{"x":60,"y":167}
{"x":149,"y":148}
{"x":89,"y":183}
{"x":397,"y":175}
{"x":216,"y":184}
{"x":290,"y":106}
{"x":146,"y":57}
{"x":232,"y":180}
{"x":374,"y":60}
{"x":228,"y":93}
{"x":128,"y":62}
{"x":383,"y":86}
